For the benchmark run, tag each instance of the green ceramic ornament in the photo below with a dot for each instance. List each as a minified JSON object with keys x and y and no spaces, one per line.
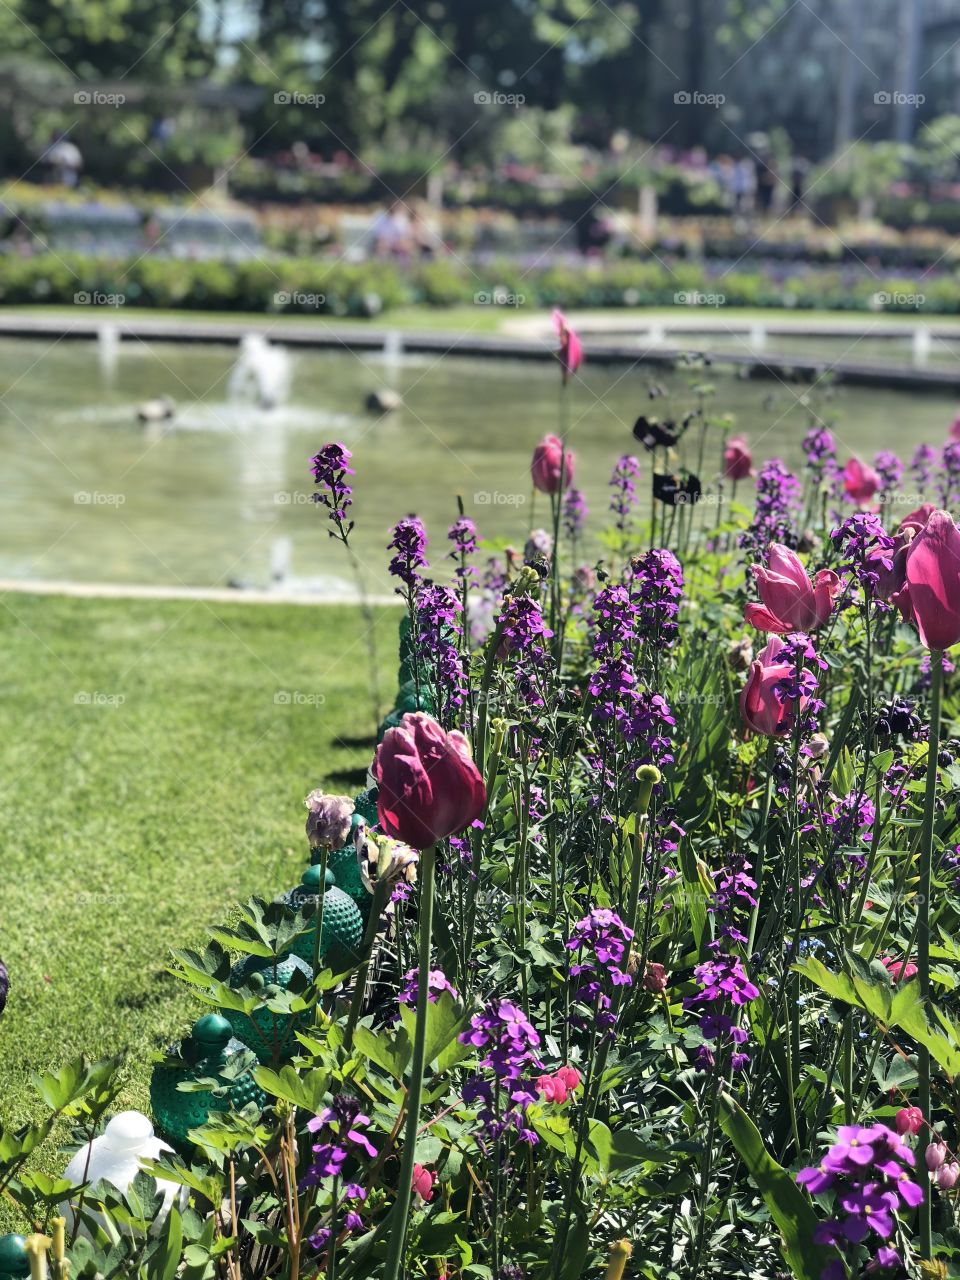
{"x":407,"y":699}
{"x":389,"y":722}
{"x":270,"y":1035}
{"x":342,"y":930}
{"x":365,"y":806}
{"x":14,"y":1262}
{"x":346,"y":870}
{"x":203,"y":1054}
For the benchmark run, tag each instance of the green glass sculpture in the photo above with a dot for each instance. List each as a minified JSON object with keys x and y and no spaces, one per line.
{"x":407,"y":699}
{"x":14,"y":1262}
{"x":365,"y":807}
{"x":202,"y":1055}
{"x":342,"y":929}
{"x":270,"y":1035}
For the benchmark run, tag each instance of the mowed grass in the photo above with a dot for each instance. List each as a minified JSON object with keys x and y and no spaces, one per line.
{"x":151,"y":777}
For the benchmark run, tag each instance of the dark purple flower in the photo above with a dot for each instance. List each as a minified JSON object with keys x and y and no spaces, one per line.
{"x":656,"y":590}
{"x":340,"y":1129}
{"x":437,"y":983}
{"x":330,"y":467}
{"x":623,"y":482}
{"x":463,"y":534}
{"x":602,"y":942}
{"x":410,"y":542}
{"x":575,"y":512}
{"x":778,"y":493}
{"x":438,"y":634}
{"x":921,"y":467}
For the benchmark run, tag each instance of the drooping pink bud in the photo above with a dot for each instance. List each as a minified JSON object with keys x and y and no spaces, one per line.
{"x":908,"y":1120}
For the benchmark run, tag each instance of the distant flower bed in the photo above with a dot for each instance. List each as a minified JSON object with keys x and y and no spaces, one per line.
{"x":329,"y":287}
{"x":636,"y":956}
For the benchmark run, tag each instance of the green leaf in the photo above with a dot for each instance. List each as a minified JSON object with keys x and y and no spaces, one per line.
{"x":164,"y":1265}
{"x":788,"y":1206}
{"x":390,"y":1051}
{"x":898,"y":1006}
{"x":445,"y":1020}
{"x":306,"y":1089}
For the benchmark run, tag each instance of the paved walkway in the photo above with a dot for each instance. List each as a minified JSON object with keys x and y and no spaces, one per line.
{"x":212,"y":595}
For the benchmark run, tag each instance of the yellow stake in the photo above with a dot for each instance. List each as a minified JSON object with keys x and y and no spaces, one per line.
{"x":619,"y":1253}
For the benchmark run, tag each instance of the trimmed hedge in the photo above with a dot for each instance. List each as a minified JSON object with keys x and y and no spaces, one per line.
{"x":334,"y":288}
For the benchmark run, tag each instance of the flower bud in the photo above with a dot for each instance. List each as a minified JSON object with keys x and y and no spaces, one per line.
{"x":935,"y":1155}
{"x":619,"y":1255}
{"x":908,"y":1120}
{"x":740,"y":654}
{"x":947,"y":1176}
{"x":655,"y":977}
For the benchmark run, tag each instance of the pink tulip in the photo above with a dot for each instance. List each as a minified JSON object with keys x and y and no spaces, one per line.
{"x":916,"y":520}
{"x":935,"y":1155}
{"x":559,"y":1086}
{"x":791,"y":602}
{"x":860,"y":482}
{"x":930,"y":595}
{"x":423,"y":1183}
{"x":570,"y":1077}
{"x":655,"y":977}
{"x":547,"y":464}
{"x":429,"y":786}
{"x":947,"y":1176}
{"x":955,"y":429}
{"x":899,"y":970}
{"x":908,"y":1120}
{"x":761,"y":709}
{"x":571,"y":348}
{"x":737,"y":459}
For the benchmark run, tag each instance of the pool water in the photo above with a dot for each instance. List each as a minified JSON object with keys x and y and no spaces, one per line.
{"x":89,"y":494}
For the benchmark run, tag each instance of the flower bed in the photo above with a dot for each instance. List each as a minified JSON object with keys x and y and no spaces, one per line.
{"x":636,"y":955}
{"x":314,"y":286}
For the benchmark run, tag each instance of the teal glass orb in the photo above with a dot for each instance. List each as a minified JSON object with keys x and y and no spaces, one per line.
{"x":203,"y":1054}
{"x":270,"y":1035}
{"x":346,"y":871}
{"x":365,"y":806}
{"x":407,"y":699}
{"x":342,"y":929}
{"x":13,"y":1258}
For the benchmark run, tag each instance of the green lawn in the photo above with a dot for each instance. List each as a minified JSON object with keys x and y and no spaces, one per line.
{"x":128,"y":826}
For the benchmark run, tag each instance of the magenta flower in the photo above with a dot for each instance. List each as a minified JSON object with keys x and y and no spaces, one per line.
{"x":791,"y":602}
{"x":571,"y":348}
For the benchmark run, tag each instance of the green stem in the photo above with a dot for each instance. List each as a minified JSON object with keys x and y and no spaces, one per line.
{"x":923,"y":936}
{"x":401,"y":1208}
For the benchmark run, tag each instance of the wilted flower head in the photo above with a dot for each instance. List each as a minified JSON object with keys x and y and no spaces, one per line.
{"x":329,"y":821}
{"x":384,"y":860}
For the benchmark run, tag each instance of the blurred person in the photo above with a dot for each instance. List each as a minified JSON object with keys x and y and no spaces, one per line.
{"x":425,"y":241}
{"x":391,"y":232}
{"x":745,"y":185}
{"x":766,"y":182}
